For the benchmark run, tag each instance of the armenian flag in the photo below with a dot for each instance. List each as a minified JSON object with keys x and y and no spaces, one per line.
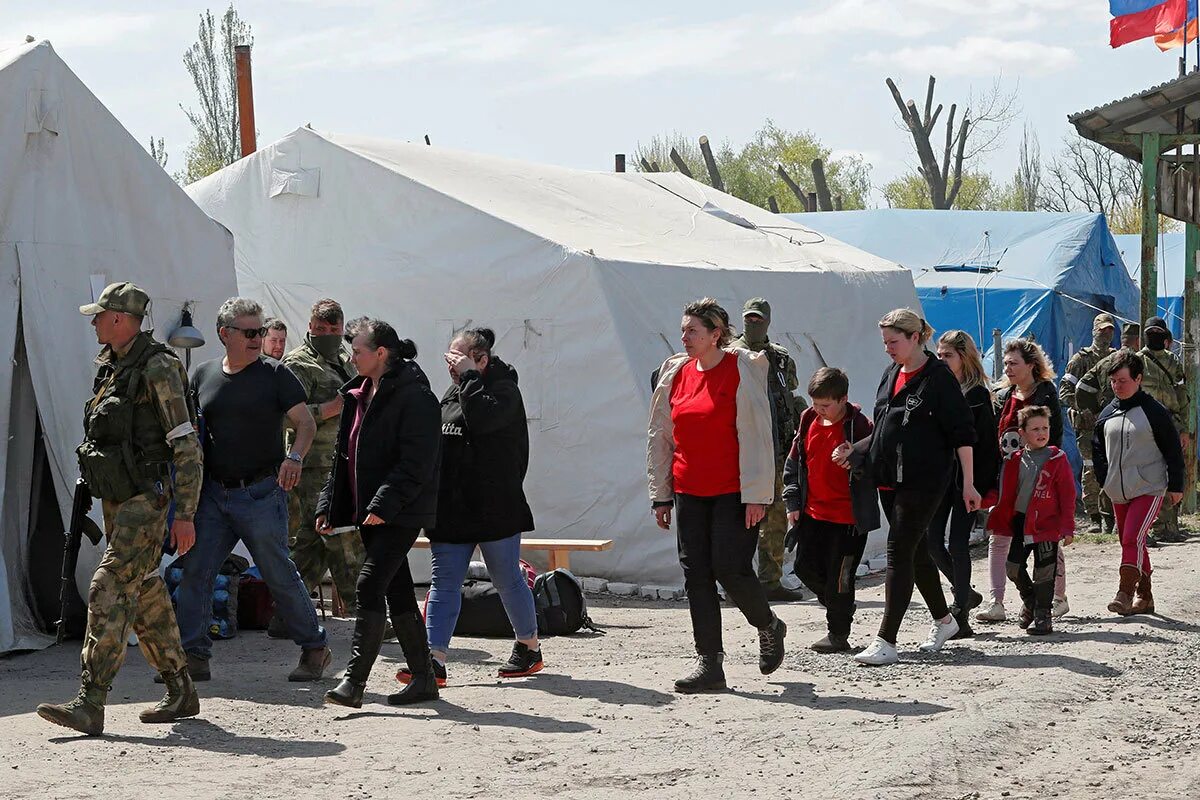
{"x":1142,"y":19}
{"x":1183,"y":35}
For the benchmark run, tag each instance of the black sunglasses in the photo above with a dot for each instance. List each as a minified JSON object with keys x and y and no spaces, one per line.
{"x":249,"y":333}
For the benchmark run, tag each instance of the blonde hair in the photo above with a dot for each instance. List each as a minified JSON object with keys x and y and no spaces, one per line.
{"x":1031,"y":353}
{"x":972,"y":362}
{"x":712,"y":316}
{"x":909,"y":323}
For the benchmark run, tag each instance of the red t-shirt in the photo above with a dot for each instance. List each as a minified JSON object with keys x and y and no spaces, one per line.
{"x":828,"y":484}
{"x":904,"y":377}
{"x":704,"y":412}
{"x":1009,"y":427}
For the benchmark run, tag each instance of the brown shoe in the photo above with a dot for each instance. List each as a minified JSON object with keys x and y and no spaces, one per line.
{"x":180,"y":702}
{"x":84,"y":714}
{"x":1123,"y":603}
{"x":1144,"y":602}
{"x":312,"y":666}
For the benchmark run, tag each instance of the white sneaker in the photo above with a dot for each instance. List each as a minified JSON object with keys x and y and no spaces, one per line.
{"x":1060,"y":607}
{"x":993,"y":613}
{"x":880,"y":653}
{"x":939,"y":634}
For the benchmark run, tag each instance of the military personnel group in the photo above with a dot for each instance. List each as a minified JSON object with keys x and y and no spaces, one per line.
{"x":251,"y":447}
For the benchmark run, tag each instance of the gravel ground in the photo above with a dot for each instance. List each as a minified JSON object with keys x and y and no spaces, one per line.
{"x":1105,"y":707}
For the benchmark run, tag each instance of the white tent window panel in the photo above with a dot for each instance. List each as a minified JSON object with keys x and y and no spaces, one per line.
{"x":300,"y":182}
{"x":526,"y":345}
{"x":41,"y":111}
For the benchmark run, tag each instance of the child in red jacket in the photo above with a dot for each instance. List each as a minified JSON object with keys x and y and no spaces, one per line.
{"x":1037,"y":505}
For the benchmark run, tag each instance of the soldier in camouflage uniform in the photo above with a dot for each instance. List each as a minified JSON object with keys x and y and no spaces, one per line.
{"x":786,"y":408}
{"x":139,"y":408}
{"x":1097,"y":504}
{"x":1164,"y":380}
{"x":323,"y":366}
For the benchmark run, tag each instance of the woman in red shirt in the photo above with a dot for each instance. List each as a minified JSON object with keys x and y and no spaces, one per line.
{"x":711,"y":459}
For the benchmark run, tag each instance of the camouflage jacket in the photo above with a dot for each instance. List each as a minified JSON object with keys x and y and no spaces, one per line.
{"x":1082,"y":419}
{"x":321,"y":380}
{"x":782,"y":383}
{"x":165,"y":385}
{"x":1163,"y":379}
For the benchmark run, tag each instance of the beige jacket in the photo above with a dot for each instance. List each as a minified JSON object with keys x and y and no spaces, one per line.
{"x":756,"y":448}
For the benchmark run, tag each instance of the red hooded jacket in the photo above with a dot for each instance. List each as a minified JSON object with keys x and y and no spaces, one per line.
{"x":1051,"y":513}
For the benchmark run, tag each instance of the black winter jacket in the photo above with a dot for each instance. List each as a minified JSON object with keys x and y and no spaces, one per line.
{"x":987,"y":442}
{"x":919,"y":429}
{"x":399,"y":453}
{"x":485,"y":454}
{"x":1044,"y":394}
{"x":864,"y":500}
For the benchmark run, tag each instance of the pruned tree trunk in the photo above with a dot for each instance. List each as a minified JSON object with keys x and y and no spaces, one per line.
{"x":791,"y":184}
{"x":680,"y":164}
{"x":943,"y":177}
{"x":824,"y":200}
{"x":710,"y":163}
{"x":772,"y":204}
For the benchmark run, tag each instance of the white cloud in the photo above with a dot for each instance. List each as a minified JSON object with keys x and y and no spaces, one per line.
{"x":78,"y":31}
{"x":853,"y":17}
{"x":977,"y":55}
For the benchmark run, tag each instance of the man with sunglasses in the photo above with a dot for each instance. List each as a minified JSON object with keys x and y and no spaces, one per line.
{"x":242,"y":400}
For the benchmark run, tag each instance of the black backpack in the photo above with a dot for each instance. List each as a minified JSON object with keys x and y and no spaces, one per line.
{"x":561,"y":608}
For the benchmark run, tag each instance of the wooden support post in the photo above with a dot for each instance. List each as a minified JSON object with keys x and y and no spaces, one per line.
{"x":772,"y":204}
{"x":1149,"y":284}
{"x":818,"y":172}
{"x":427,"y":139}
{"x":245,"y":99}
{"x":645,"y":165}
{"x":654,"y":166}
{"x":812,"y":201}
{"x":1190,"y":352}
{"x":619,"y":162}
{"x":837,"y":203}
{"x":714,"y":174}
{"x":997,"y":353}
{"x":680,"y":164}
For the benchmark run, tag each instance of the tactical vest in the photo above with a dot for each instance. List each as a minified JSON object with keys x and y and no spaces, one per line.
{"x":783,"y":402}
{"x":125,"y":450}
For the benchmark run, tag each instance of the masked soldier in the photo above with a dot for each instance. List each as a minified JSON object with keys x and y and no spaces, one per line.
{"x":136,"y":426}
{"x":323,"y":366}
{"x":785,"y":409}
{"x":1099,"y":507}
{"x":1163,"y":379}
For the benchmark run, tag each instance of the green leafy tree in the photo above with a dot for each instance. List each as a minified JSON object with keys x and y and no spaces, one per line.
{"x":977,"y":192}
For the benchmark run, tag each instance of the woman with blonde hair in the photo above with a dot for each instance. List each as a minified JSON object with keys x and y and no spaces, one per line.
{"x":922,"y":426}
{"x":711,"y":459}
{"x":1028,"y":381}
{"x":958,"y":351}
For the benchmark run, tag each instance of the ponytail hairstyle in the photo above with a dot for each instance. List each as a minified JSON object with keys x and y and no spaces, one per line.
{"x":972,"y":363}
{"x":1031,"y":353}
{"x":712,"y":316}
{"x":380,"y":334}
{"x":909,"y":323}
{"x":477,"y":340}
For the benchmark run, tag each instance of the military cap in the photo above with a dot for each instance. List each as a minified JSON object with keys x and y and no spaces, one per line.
{"x":1131,"y":330}
{"x":1157,"y":322}
{"x":757,"y":305}
{"x":124,"y":297}
{"x":1103,"y":321}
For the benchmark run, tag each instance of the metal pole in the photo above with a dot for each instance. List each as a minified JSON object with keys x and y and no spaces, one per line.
{"x":1191,"y":357}
{"x":619,"y":162}
{"x":1149,"y":286}
{"x":997,"y":347}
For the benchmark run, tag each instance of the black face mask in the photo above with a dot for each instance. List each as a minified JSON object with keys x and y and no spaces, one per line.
{"x":1157,"y":340}
{"x":328,"y":345}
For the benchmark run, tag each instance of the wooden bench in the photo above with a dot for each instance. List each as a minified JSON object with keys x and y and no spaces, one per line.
{"x":559,"y":549}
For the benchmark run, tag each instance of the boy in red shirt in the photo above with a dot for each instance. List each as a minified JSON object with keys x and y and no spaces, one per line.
{"x":1037,"y":505}
{"x":831,"y":509}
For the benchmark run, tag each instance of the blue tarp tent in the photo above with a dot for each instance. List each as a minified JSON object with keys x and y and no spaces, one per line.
{"x":1035,"y":273}
{"x":1170,"y":273}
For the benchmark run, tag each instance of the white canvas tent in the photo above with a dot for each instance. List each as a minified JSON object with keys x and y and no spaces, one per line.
{"x":81,"y":204}
{"x":583,"y":276}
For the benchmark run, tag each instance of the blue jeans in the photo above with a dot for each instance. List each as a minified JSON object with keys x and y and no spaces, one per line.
{"x":257,"y":515}
{"x":450,"y":562}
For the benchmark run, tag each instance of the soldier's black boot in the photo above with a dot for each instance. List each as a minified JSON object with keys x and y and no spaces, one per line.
{"x":708,"y":676}
{"x":364,"y":649}
{"x":181,"y":700}
{"x":410,"y":630}
{"x":1043,"y":594}
{"x":84,"y":714}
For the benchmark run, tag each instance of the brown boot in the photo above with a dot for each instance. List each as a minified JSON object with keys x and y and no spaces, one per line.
{"x":1144,"y":603}
{"x":180,"y":702}
{"x":1123,"y":603}
{"x":84,"y":714}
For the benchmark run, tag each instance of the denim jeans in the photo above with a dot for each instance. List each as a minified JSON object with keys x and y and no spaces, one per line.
{"x":257,"y":515}
{"x":450,"y":562}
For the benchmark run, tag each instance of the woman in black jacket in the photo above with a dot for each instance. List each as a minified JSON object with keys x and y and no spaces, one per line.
{"x":958,"y":351}
{"x":384,"y":481}
{"x":481,"y":500}
{"x":922,"y":423}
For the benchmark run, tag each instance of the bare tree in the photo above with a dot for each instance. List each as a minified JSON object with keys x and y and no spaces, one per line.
{"x":1087,"y":176}
{"x":158,"y":151}
{"x":1027,"y":183}
{"x":985,"y":118}
{"x":210,"y":61}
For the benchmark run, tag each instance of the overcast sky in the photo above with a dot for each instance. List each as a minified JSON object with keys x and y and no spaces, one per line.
{"x":572,"y":83}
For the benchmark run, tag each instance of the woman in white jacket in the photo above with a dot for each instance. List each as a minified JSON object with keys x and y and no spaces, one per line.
{"x":711,"y":458}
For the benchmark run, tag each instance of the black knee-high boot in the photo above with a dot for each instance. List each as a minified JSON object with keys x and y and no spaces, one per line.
{"x":364,"y":649}
{"x":410,"y":630}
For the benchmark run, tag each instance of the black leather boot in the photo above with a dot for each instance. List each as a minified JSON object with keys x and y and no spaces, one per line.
{"x":364,"y":649}
{"x":410,"y":630}
{"x":708,"y":676}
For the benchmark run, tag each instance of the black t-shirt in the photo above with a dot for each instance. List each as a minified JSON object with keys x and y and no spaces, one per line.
{"x":243,"y":416}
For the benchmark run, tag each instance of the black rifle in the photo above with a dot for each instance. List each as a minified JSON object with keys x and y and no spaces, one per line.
{"x":81,"y":525}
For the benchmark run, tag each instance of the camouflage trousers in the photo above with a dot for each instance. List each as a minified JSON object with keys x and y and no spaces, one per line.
{"x":342,"y":555}
{"x":127,"y":594}
{"x":1095,"y":501}
{"x":771,"y":534}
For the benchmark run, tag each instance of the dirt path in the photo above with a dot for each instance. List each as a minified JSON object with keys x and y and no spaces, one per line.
{"x":1103,"y":708}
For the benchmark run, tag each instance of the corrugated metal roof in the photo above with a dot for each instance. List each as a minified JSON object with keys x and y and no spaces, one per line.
{"x":1153,"y":110}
